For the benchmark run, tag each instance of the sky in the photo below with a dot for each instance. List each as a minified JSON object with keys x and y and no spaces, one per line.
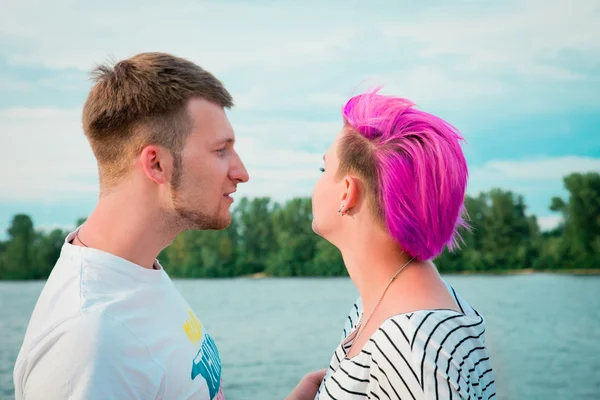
{"x":520,"y":79}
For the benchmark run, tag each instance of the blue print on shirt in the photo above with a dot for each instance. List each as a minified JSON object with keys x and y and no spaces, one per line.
{"x":208,"y":364}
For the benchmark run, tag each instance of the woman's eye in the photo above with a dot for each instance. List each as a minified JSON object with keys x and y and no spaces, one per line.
{"x":322,"y":169}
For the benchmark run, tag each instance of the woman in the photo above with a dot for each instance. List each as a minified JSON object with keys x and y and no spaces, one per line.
{"x":390,"y":199}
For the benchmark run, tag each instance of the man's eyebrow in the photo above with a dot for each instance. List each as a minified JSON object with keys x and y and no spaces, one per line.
{"x":224,"y":141}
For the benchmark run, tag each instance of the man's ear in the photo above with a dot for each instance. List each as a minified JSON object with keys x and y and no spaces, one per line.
{"x":157,"y":163}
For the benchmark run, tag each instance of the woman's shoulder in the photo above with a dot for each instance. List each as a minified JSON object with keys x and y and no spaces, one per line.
{"x":441,"y":352}
{"x":428,"y":329}
{"x":427,"y":324}
{"x":435,"y":347}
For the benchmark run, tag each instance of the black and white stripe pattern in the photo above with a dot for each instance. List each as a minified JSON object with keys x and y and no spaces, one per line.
{"x":427,"y":354}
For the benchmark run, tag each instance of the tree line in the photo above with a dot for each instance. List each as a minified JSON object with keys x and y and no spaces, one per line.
{"x":274,"y":239}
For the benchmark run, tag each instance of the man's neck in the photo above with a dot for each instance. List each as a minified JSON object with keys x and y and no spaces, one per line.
{"x":128,"y":229}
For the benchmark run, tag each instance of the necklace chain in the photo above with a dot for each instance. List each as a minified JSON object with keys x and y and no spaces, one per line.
{"x":360,"y":325}
{"x":85,"y":245}
{"x":78,"y":238}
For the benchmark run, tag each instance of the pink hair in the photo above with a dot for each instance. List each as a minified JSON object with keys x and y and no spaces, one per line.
{"x":421,"y":171}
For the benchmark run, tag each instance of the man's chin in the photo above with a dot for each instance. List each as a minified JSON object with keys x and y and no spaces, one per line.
{"x":202,"y":222}
{"x":215,"y":224}
{"x":222,"y":223}
{"x":219,"y":221}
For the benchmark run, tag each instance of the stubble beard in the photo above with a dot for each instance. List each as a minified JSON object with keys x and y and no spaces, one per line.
{"x":188,"y":213}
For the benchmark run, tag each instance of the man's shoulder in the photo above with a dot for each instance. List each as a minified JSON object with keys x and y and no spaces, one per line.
{"x":88,"y":337}
{"x":92,"y":331}
{"x":88,"y":351}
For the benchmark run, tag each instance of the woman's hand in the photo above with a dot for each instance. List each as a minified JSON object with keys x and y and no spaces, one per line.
{"x":307,"y":388}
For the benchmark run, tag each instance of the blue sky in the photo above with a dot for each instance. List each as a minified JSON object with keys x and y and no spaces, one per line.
{"x":520,"y":79}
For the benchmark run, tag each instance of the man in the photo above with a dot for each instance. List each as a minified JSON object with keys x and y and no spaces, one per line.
{"x":109,"y":324}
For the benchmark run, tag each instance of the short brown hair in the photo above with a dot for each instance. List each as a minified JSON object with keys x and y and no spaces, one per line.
{"x":357,"y":156}
{"x":141,"y":101}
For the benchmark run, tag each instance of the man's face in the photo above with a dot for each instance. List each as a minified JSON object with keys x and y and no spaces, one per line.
{"x":210,"y":169}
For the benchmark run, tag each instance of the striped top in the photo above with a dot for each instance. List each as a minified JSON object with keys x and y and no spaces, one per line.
{"x":426,"y":354}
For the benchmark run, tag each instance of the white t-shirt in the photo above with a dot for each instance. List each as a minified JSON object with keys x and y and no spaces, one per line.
{"x":427,"y":354}
{"x":105,"y":328}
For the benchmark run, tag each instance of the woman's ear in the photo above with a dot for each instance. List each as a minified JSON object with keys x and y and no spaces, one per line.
{"x":350,"y":194}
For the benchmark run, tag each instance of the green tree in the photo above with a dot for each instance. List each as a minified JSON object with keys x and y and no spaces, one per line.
{"x":80,"y":221}
{"x":2,"y":248}
{"x":17,"y":257}
{"x":501,"y":235}
{"x":580,"y":244}
{"x":294,"y":240}
{"x":328,"y":260}
{"x":507,"y":232}
{"x":253,"y":220}
{"x":467,"y":257}
{"x":201,"y":254}
{"x":278,"y":239}
{"x":47,"y":252}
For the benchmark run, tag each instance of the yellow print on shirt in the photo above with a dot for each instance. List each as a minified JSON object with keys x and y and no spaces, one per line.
{"x":193,"y":327}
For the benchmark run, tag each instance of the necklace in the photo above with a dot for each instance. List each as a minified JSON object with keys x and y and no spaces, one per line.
{"x":85,"y":245}
{"x":80,"y":241}
{"x":376,"y":306}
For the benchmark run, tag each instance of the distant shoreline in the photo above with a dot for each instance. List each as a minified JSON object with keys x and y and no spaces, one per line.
{"x":508,"y":272}
{"x":531,"y":271}
{"x":526,"y":271}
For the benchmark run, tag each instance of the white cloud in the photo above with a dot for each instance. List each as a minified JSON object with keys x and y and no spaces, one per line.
{"x":549,"y":222}
{"x":294,"y":55}
{"x":277,"y":165}
{"x":452,"y":50}
{"x":49,"y":228}
{"x":434,"y":84}
{"x":236,"y":34}
{"x":274,"y":97}
{"x":541,"y":170}
{"x":537,"y":179}
{"x":216,"y":34}
{"x":47,"y":158}
{"x":515,"y":35}
{"x":45,"y":155}
{"x":292,"y":133}
{"x":8,"y":83}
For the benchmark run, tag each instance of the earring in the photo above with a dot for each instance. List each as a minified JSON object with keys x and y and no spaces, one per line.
{"x":340,"y":210}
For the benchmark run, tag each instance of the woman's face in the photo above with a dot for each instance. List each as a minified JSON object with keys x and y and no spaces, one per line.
{"x":327,"y":193}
